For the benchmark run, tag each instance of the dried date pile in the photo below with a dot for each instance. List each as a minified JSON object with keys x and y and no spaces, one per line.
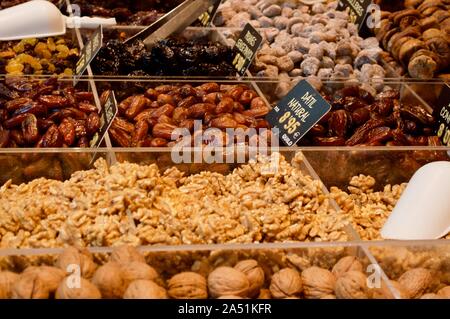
{"x":45,"y":114}
{"x":150,"y":118}
{"x":168,"y":57}
{"x":359,"y":118}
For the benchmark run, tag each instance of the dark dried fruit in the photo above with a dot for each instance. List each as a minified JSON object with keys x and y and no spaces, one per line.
{"x":93,"y":123}
{"x":30,"y":129}
{"x":54,"y":101}
{"x":52,"y":138}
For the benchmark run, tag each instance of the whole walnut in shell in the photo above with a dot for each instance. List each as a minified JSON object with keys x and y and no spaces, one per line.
{"x":265,"y":294}
{"x":286,"y":283}
{"x":80,"y":257}
{"x":317,"y":282}
{"x":137,"y":270}
{"x":351,"y":285}
{"x":224,"y":281}
{"x":86,"y":290}
{"x":416,"y":282}
{"x":431,"y":296}
{"x":346,"y":264}
{"x":38,"y":282}
{"x":110,"y":281}
{"x":385,"y":293}
{"x":188,"y":285}
{"x":30,"y":286}
{"x":126,"y":254}
{"x":444,"y":292}
{"x":254,"y":273}
{"x":145,"y":289}
{"x":7,"y":280}
{"x":230,"y":297}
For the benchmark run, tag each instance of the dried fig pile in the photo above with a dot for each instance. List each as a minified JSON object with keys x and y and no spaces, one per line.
{"x":418,"y":37}
{"x":256,"y":278}
{"x":45,"y":114}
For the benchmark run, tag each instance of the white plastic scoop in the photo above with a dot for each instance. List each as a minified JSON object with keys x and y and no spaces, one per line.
{"x":39,"y":18}
{"x":423,"y":211}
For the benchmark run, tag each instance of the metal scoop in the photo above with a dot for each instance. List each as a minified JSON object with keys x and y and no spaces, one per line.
{"x":39,"y":18}
{"x":423,"y":211}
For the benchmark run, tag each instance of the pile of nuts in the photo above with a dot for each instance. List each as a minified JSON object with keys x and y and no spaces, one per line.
{"x":418,"y":37}
{"x":46,"y":113}
{"x":359,"y":117}
{"x":38,"y":56}
{"x":314,"y":41}
{"x":130,"y":203}
{"x":368,"y":209}
{"x":127,"y":275}
{"x":150,"y":118}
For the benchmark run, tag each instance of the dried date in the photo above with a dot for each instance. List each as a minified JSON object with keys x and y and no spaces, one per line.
{"x":30,"y":130}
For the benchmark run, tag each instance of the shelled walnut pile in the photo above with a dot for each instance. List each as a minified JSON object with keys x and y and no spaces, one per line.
{"x":127,"y":274}
{"x":367,"y":209}
{"x":252,"y":204}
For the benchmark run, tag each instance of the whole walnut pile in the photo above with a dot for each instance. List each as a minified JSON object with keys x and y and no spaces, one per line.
{"x":126,"y":274}
{"x":150,"y":118}
{"x":418,"y":37}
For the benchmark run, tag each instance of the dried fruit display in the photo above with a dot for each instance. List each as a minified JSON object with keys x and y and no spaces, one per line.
{"x":47,"y":113}
{"x":151,"y":115}
{"x":248,"y":205}
{"x":45,"y":56}
{"x":127,"y":12}
{"x":418,"y":37}
{"x":284,"y":280}
{"x":168,"y":57}
{"x":361,"y":118}
{"x":312,"y":40}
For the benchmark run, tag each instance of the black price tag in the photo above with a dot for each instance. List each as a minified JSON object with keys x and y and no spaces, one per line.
{"x":206,"y":17}
{"x":108,"y":114}
{"x":443,"y":116}
{"x":358,"y":13}
{"x":88,"y":53}
{"x":297,"y":113}
{"x":245,"y":48}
